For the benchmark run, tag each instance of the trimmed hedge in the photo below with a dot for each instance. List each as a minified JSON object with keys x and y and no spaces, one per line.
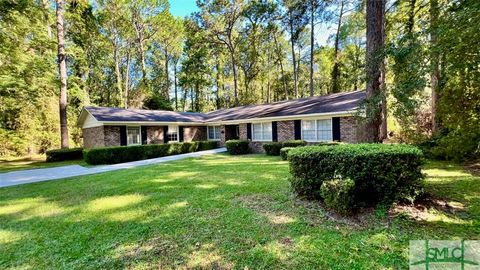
{"x":120,"y":154}
{"x":237,"y":147}
{"x":284,"y":152}
{"x":273,"y":148}
{"x":381,"y":172}
{"x":337,"y":195}
{"x":64,"y":154}
{"x":294,"y":143}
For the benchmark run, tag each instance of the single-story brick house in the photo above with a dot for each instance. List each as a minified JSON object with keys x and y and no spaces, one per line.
{"x":313,"y":119}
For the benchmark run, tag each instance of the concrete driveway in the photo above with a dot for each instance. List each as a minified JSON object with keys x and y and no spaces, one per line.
{"x":38,"y":175}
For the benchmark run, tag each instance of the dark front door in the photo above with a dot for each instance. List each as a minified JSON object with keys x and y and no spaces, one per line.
{"x":231,"y":132}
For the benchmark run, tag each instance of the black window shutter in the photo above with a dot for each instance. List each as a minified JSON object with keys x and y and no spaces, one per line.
{"x":180,"y":133}
{"x":123,"y":135}
{"x":143,"y":132}
{"x":298,"y":129}
{"x":249,"y":131}
{"x":336,"y":128}
{"x":274,"y":131}
{"x":165,"y":137}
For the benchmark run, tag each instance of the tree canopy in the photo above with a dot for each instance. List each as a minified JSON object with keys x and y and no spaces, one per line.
{"x":136,"y":54}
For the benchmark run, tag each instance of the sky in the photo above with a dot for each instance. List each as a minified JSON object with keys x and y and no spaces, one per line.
{"x":182,"y":8}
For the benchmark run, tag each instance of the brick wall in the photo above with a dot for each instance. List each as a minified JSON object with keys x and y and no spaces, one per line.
{"x":194,"y":133}
{"x":286,"y":130}
{"x":349,"y":130}
{"x":93,"y":137}
{"x":112,"y":136}
{"x":155,"y":135}
{"x":243,"y":131}
{"x":223,"y":134}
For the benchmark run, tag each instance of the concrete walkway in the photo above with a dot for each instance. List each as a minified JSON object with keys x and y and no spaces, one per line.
{"x":38,"y":175}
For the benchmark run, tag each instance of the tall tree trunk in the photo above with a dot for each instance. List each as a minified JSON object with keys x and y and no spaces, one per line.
{"x":127,"y":79}
{"x":374,"y":58}
{"x":411,"y":16}
{"x":292,"y":42}
{"x":282,"y":71}
{"x":435,"y":62}
{"x":197,"y":97}
{"x":217,"y":82}
{"x":184,"y":98}
{"x":138,"y":26}
{"x":62,"y":70}
{"x":192,"y":100}
{"x":235,"y":83}
{"x":118,"y":74}
{"x":268,"y":90}
{"x":167,"y":81}
{"x":175,"y":63}
{"x":336,"y":61}
{"x":312,"y":42}
{"x":383,"y":88}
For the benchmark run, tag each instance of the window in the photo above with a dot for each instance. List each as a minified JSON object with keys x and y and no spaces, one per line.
{"x":213,"y":133}
{"x":317,"y":130}
{"x":133,"y":136}
{"x":172,"y":133}
{"x":262,"y":131}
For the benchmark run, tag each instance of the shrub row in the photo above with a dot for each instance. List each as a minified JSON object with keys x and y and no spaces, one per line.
{"x":64,"y":154}
{"x":273,"y":148}
{"x":119,"y":154}
{"x":380,"y":172}
{"x":237,"y":147}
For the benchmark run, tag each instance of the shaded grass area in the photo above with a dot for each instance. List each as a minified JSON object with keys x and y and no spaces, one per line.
{"x":33,"y":162}
{"x":215,"y":212}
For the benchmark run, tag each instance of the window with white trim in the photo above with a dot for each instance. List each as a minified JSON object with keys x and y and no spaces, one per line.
{"x":317,"y":130}
{"x":262,"y":131}
{"x":213,"y":133}
{"x":172,"y":133}
{"x":133,"y":136}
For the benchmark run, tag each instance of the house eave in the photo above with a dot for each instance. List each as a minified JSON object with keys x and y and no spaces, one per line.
{"x":232,"y":122}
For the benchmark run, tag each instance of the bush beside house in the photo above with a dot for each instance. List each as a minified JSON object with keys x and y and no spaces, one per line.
{"x":273,"y":148}
{"x":64,"y":154}
{"x":237,"y":147}
{"x":380,"y":172}
{"x":120,"y":154}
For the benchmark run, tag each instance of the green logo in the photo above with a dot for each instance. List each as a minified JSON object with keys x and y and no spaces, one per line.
{"x":434,"y":254}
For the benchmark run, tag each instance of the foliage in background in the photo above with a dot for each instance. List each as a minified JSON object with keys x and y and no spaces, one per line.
{"x":136,"y":54}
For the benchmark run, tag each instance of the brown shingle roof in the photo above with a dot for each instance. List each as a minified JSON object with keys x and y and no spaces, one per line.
{"x":340,"y":102}
{"x":333,"y":103}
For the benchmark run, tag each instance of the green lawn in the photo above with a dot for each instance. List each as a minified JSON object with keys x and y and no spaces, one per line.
{"x":33,"y":162}
{"x":217,"y":212}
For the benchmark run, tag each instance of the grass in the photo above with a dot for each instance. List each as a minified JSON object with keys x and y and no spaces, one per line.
{"x":33,"y":162}
{"x":217,"y":212}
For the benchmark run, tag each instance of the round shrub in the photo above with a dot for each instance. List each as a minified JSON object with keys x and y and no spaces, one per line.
{"x":381,"y":172}
{"x":284,"y":152}
{"x":64,"y":154}
{"x":273,"y":148}
{"x":337,"y":194}
{"x":237,"y":147}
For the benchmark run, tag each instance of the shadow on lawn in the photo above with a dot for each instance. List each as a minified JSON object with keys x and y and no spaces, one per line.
{"x":211,"y":213}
